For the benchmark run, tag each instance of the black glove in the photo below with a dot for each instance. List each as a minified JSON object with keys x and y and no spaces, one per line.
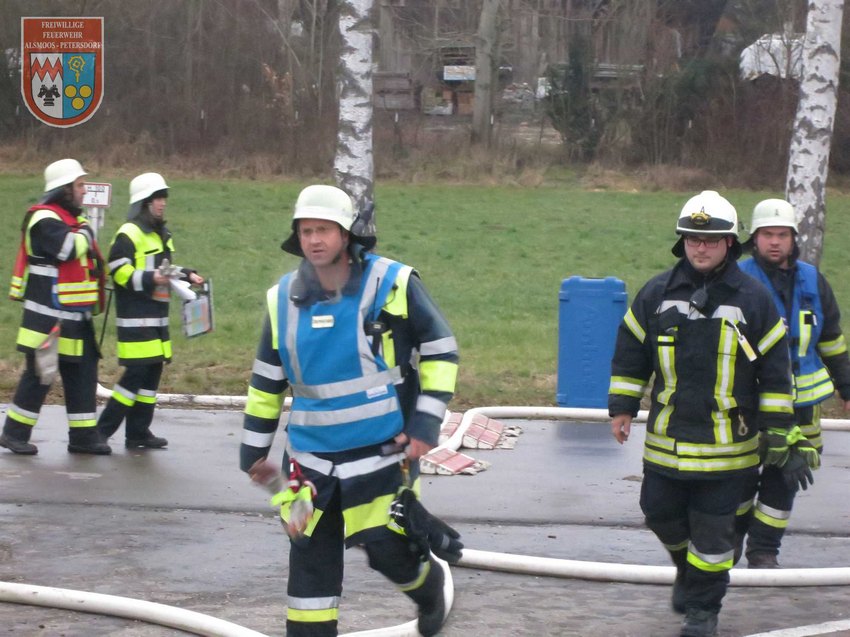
{"x":796,"y":471}
{"x":428,"y":532}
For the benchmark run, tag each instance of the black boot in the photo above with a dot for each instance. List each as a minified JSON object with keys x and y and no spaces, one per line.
{"x":430,"y":597}
{"x":87,"y":440}
{"x":762,"y":560}
{"x":699,"y":623}
{"x":148,"y":441}
{"x":16,"y":438}
{"x":138,"y":432}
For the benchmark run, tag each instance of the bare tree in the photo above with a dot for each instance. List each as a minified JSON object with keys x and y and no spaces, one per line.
{"x":485,"y":65}
{"x":353,"y":164}
{"x":808,"y":161}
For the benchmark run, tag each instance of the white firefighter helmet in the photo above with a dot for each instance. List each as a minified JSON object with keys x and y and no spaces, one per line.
{"x":329,"y":203}
{"x":773,"y":212}
{"x":325,"y":202}
{"x":708,"y":213}
{"x":61,"y":173}
{"x":145,"y":185}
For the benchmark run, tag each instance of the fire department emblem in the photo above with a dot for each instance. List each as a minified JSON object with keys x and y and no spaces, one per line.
{"x":62,"y":68}
{"x":700,"y":218}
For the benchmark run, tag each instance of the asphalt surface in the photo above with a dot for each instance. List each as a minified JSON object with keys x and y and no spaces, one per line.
{"x":185,"y":527}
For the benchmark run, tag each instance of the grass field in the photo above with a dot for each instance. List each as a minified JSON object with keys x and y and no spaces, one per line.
{"x":493,"y":258}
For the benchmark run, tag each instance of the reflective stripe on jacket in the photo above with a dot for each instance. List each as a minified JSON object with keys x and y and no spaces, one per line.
{"x":812,"y":382}
{"x":56,"y":257}
{"x":343,"y":394}
{"x":77,"y":285}
{"x":720,"y":376}
{"x":141,"y":307}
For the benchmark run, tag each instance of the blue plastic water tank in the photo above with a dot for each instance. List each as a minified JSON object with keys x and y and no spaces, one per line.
{"x":590,"y":310}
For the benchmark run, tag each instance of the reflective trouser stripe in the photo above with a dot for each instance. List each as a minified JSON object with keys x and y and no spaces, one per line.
{"x":123,"y":396}
{"x":80,"y":421}
{"x":312,"y":609}
{"x":146,"y":396}
{"x":710,"y":563}
{"x":772,"y":517}
{"x":22,"y":415}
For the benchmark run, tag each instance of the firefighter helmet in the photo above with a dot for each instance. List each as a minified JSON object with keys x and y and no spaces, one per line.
{"x":708,"y":213}
{"x":61,"y":173}
{"x":324,"y":202}
{"x":773,"y":212}
{"x":146,"y":185}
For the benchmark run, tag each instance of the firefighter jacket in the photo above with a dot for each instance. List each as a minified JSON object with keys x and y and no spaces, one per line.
{"x":717,"y":349}
{"x":807,"y":304}
{"x":377,"y":360}
{"x":141,"y":307}
{"x":59,"y":277}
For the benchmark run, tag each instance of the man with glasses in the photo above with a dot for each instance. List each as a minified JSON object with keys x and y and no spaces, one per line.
{"x":716,"y":345}
{"x":819,"y":363}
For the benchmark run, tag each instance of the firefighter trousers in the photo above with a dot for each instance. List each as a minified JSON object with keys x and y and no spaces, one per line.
{"x":133,"y":398}
{"x":695,"y":520}
{"x":314,"y":586}
{"x":767,"y":503}
{"x":765,"y":511}
{"x":79,"y":382}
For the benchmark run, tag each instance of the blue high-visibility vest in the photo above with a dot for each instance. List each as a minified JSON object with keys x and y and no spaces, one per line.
{"x":343,"y":394}
{"x":812,"y":382}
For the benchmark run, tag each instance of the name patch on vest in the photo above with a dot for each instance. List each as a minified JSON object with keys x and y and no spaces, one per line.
{"x":322,"y":322}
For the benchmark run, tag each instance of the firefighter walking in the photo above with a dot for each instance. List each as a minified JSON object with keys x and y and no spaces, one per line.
{"x":59,"y":277}
{"x":140,"y":265}
{"x":819,"y":363}
{"x":716,"y":345}
{"x":344,"y":331}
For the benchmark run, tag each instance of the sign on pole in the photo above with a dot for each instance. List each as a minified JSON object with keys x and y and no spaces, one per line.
{"x":96,"y":200}
{"x":62,"y":68}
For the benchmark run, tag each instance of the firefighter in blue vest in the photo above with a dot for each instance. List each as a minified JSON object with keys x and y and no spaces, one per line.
{"x":715,"y":344}
{"x":141,"y":249}
{"x":372,"y":364}
{"x":819,"y":363}
{"x":59,"y":277}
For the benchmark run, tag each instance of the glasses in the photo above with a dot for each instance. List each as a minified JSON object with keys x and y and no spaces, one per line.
{"x":695,"y":242}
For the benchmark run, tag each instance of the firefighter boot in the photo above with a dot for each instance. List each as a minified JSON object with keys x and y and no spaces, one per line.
{"x":16,"y":438}
{"x":430,"y":597}
{"x":87,"y":440}
{"x":699,"y":623}
{"x":762,"y":560}
{"x":138,"y":431}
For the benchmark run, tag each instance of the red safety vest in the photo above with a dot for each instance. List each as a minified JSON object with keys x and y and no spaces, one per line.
{"x":80,"y":282}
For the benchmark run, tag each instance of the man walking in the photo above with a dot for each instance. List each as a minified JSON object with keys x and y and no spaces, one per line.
{"x":819,"y":363}
{"x":372,"y":364}
{"x":716,"y":346}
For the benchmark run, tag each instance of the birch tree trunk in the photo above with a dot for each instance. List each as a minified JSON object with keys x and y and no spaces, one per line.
{"x":353,"y":164}
{"x":808,"y":159}
{"x":485,"y":44}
